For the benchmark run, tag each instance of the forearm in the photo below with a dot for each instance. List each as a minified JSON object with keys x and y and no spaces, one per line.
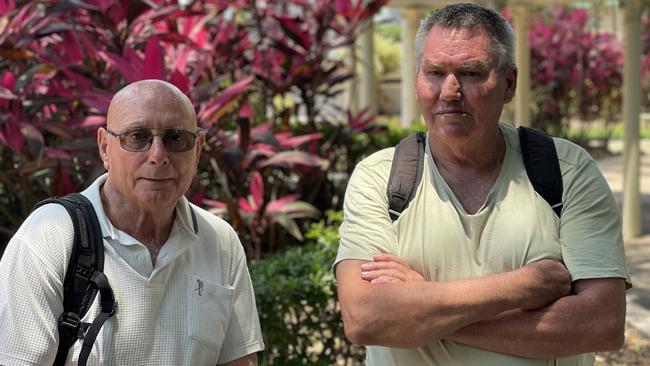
{"x":588,"y":321}
{"x":414,"y":314}
{"x":248,"y":360}
{"x":417,"y":314}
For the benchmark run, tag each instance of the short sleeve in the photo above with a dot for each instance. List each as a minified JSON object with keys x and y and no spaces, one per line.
{"x":590,"y":227}
{"x":244,"y":334}
{"x":31,"y":287}
{"x":367,"y":228}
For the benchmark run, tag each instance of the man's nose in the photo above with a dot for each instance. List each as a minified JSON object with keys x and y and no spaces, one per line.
{"x":450,"y":89}
{"x":158,"y":154}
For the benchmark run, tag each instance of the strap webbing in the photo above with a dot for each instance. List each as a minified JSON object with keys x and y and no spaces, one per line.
{"x":108,"y":307}
{"x":542,"y":166}
{"x":83,"y":277}
{"x":405,"y":173}
{"x":195,"y":226}
{"x":538,"y":153}
{"x":69,"y":326}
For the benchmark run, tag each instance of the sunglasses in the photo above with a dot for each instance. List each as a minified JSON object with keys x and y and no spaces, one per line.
{"x":139,"y":139}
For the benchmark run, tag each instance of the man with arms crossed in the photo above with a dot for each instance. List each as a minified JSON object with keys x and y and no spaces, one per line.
{"x":473,"y":271}
{"x":179,"y":273}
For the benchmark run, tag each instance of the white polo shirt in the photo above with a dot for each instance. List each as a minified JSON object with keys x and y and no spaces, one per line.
{"x":194,"y":307}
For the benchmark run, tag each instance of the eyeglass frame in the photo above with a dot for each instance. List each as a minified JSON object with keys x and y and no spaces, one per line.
{"x":119,"y":135}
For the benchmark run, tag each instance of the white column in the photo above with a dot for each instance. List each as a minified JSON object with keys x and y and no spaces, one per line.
{"x":521,"y":20}
{"x":368,"y":89}
{"x":631,"y":110}
{"x":409,"y":106}
{"x":352,"y":86}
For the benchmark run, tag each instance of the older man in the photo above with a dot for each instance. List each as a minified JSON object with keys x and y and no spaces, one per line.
{"x":178,"y":272}
{"x":473,"y":271}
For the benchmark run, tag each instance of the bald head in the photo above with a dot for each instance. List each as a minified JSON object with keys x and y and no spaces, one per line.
{"x":150,"y":163}
{"x":145,"y":94}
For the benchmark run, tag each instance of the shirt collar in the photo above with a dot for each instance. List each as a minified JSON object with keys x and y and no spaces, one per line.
{"x":184,"y":215}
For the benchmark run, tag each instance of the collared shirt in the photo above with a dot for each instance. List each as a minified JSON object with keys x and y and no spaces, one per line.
{"x":194,"y":307}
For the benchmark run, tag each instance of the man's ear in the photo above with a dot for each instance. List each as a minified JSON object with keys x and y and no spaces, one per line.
{"x":417,"y":90}
{"x":102,"y":142}
{"x":511,"y":84}
{"x":200,"y":141}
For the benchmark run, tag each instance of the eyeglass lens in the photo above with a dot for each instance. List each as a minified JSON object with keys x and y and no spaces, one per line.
{"x":140,"y":139}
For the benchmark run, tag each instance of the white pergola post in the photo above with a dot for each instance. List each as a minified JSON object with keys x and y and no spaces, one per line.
{"x":521,"y":20}
{"x":368,"y":88}
{"x":410,"y":24}
{"x":352,"y":86}
{"x":631,"y":110}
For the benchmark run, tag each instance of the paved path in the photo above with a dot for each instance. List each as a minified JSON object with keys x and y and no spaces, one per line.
{"x":637,"y":251}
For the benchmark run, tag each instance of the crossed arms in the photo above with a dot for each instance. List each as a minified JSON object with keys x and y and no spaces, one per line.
{"x":528,"y":312}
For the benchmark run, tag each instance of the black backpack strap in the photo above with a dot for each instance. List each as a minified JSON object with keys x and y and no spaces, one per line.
{"x":108,"y":308}
{"x":80,"y":285}
{"x":195,"y":225}
{"x":542,"y":166}
{"x":405,"y":173}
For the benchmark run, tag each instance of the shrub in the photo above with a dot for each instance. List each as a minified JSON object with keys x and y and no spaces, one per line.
{"x":266,"y":165}
{"x":387,"y":52}
{"x":390,"y":30}
{"x":297,"y":302}
{"x":575,"y":71}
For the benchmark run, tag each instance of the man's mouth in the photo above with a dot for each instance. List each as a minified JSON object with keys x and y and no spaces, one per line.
{"x":453,"y":112}
{"x":157,"y":179}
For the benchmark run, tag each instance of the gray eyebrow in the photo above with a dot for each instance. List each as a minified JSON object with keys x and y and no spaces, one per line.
{"x":428,"y":64}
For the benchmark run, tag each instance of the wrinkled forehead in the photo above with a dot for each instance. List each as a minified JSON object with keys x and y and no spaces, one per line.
{"x":468,"y":44}
{"x":477,"y":35}
{"x":150,"y":104}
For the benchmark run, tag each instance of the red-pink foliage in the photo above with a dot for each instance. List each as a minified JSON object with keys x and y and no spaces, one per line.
{"x":62,"y":61}
{"x":575,"y":71}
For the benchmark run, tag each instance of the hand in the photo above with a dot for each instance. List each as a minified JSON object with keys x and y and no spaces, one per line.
{"x":388,"y":268}
{"x":543,"y":282}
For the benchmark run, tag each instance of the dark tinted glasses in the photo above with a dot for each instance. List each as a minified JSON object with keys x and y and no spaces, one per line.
{"x":140,"y":139}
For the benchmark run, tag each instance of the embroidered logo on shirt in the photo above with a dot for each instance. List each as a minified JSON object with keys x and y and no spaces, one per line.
{"x":199,"y":288}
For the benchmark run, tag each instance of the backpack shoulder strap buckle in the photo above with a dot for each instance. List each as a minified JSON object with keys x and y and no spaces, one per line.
{"x":69,"y":322}
{"x":71,"y":326}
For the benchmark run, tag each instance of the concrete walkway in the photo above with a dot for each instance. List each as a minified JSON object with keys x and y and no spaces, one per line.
{"x":637,"y":250}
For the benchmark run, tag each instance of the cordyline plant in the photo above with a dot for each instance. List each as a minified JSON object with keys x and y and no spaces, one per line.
{"x":291,"y":58}
{"x":575,"y":71}
{"x":260,"y":74}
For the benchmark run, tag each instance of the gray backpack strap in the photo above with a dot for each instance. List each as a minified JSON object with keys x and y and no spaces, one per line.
{"x":405,"y":173}
{"x":542,"y":166}
{"x":537,"y":150}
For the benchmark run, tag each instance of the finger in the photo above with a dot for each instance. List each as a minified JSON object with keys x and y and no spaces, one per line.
{"x":371,"y":266}
{"x":371,"y":275}
{"x":386,"y":257}
{"x":384,"y":279}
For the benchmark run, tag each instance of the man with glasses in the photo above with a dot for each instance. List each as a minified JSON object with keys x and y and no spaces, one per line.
{"x":179,"y":273}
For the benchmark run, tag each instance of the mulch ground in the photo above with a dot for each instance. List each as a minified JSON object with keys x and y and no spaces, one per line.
{"x":635,"y":352}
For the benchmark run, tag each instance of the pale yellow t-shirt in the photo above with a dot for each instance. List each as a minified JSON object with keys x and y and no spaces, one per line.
{"x":515,"y":226}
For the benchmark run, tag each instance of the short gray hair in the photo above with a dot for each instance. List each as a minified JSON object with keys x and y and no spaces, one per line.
{"x":471,"y":16}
